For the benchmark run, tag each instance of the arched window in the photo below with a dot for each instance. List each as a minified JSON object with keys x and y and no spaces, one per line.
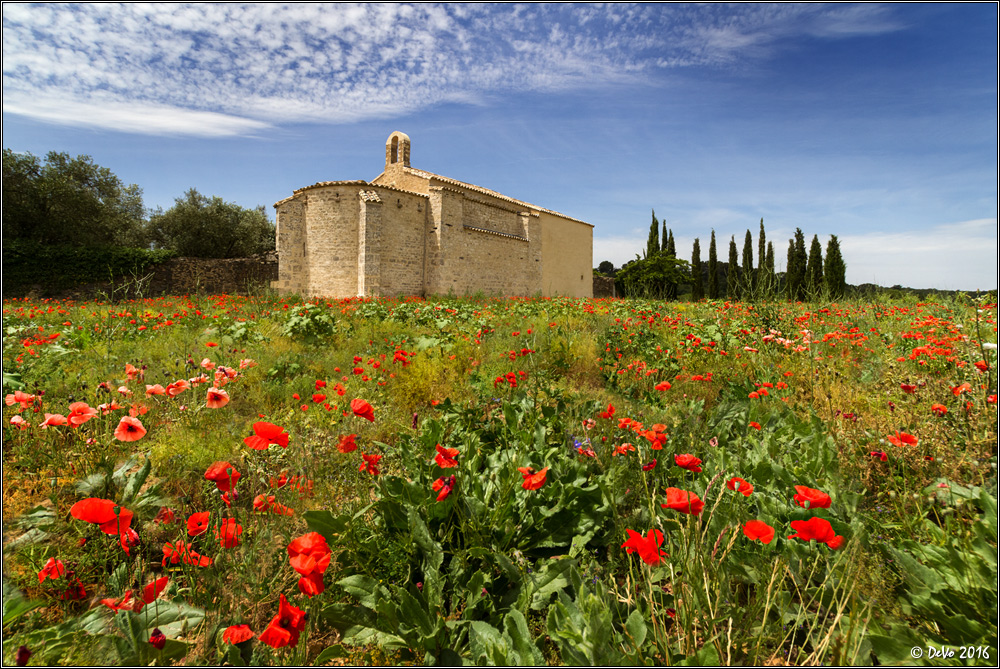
{"x":395,"y":150}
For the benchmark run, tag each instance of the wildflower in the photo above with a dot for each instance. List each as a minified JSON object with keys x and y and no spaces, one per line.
{"x":963,"y":388}
{"x":879,"y":455}
{"x":157,"y":639}
{"x":908,"y":388}
{"x":266,"y":434}
{"x":982,"y":365}
{"x":309,"y":555}
{"x":53,"y":569}
{"x":663,"y":385}
{"x":284,"y":628}
{"x":80,"y":413}
{"x":939,"y":409}
{"x":739,"y":485}
{"x":623,"y":449}
{"x":53,"y":420}
{"x":216,"y":399}
{"x":165,"y":516}
{"x":755,"y":425}
{"x":533,"y":480}
{"x":370,"y":464}
{"x":224,"y":475}
{"x":101,"y":512}
{"x":810,"y":498}
{"x":236,"y":634}
{"x":683,"y":501}
{"x":207,"y":364}
{"x":816,"y":529}
{"x":129,"y":429}
{"x":363,"y":409}
{"x":346,"y":443}
{"x":445,"y":457}
{"x":647,"y":547}
{"x":19,"y":397}
{"x":177,"y":387}
{"x":228,"y":533}
{"x":443,"y":487}
{"x":757,"y":530}
{"x":263,"y":504}
{"x":155,"y":390}
{"x":609,"y":413}
{"x":22,"y":656}
{"x":19,"y":422}
{"x":181,"y":552}
{"x":649,"y":465}
{"x":197,"y":523}
{"x":901,"y":439}
{"x":688,"y":462}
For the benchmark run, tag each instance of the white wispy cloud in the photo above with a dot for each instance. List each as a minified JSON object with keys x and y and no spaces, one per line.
{"x":222,"y":69}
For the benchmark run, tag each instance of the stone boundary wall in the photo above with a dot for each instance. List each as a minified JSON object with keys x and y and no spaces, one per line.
{"x":182,"y":276}
{"x":604,"y":286}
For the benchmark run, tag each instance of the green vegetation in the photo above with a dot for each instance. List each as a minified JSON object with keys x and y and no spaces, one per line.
{"x":499,"y":481}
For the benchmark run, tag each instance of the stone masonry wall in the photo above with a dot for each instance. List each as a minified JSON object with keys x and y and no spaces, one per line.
{"x":332,"y":227}
{"x":404,"y":241}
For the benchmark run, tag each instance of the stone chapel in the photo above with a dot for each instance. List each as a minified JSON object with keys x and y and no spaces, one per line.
{"x":411,"y":232}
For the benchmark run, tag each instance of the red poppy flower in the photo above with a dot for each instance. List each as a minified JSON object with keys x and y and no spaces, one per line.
{"x":908,"y":388}
{"x":688,"y":462}
{"x":198,"y":524}
{"x":663,"y":385}
{"x":284,"y":628}
{"x":363,"y":409}
{"x":445,"y":457}
{"x":755,"y":425}
{"x":181,"y":552}
{"x":609,"y":413}
{"x":53,"y":420}
{"x":152,"y":591}
{"x":533,"y":480}
{"x":346,"y":443}
{"x":370,"y":464}
{"x":309,"y":555}
{"x":156,"y":389}
{"x":102,"y":513}
{"x":647,"y":547}
{"x":266,"y":434}
{"x":683,"y":501}
{"x":964,"y":388}
{"x":229,"y":533}
{"x":22,"y":656}
{"x":816,"y":529}
{"x":758,"y":530}
{"x":264,"y":504}
{"x":216,"y":399}
{"x":235,"y":634}
{"x":443,"y":486}
{"x":939,"y":409}
{"x":177,"y":387}
{"x":649,"y":465}
{"x":902,"y":439}
{"x":982,"y":365}
{"x":810,"y":498}
{"x":319,"y":398}
{"x":165,"y":516}
{"x":80,"y":413}
{"x":53,"y":569}
{"x":129,"y":429}
{"x":127,"y":602}
{"x":739,"y":485}
{"x":224,"y":475}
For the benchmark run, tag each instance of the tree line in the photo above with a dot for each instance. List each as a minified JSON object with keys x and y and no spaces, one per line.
{"x":65,"y":201}
{"x":658,"y":272}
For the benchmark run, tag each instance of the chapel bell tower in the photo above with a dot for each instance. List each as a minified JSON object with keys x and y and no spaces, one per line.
{"x":397,"y":150}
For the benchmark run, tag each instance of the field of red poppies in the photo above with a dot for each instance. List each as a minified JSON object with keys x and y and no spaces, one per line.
{"x":267,"y":481}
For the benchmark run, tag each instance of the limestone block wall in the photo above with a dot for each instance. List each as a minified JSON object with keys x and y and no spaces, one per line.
{"x":568,"y":250}
{"x":293,"y":271}
{"x":403,"y":242}
{"x":332,"y":249}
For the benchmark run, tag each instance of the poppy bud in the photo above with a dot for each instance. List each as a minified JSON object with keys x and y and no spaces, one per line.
{"x":158,"y":639}
{"x":414,"y":426}
{"x":23,"y":654}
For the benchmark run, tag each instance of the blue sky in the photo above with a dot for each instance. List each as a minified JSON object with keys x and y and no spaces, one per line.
{"x":877,"y":123}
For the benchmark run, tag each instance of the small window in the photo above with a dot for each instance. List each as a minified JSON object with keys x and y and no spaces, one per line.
{"x":394,"y":157}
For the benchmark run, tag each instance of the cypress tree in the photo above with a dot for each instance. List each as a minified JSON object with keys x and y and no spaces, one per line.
{"x":748,"y":274}
{"x":671,"y":250}
{"x":653,"y":243}
{"x":790,"y":279}
{"x":663,"y":236}
{"x":697,"y":291}
{"x":732,"y":276}
{"x":761,"y":250}
{"x":799,"y":258}
{"x":713,"y":269}
{"x":814,"y":269}
{"x":769,"y":267}
{"x":835,"y":271}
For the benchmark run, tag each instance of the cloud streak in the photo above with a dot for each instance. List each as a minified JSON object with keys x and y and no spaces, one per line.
{"x":217,"y":69}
